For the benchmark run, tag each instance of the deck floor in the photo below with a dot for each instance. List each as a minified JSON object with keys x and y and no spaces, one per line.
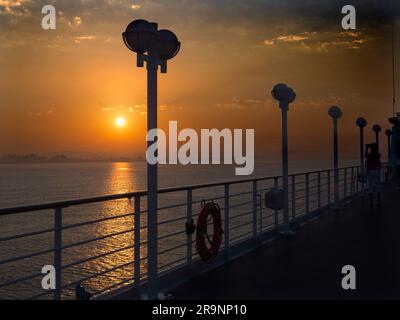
{"x":308,"y":265}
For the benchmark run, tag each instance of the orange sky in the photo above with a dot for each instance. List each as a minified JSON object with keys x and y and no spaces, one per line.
{"x":62,"y":90}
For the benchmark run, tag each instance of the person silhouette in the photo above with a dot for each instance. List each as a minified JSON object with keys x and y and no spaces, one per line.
{"x":374,"y":172}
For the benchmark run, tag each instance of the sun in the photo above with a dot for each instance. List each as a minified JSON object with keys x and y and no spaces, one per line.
{"x":120,"y":122}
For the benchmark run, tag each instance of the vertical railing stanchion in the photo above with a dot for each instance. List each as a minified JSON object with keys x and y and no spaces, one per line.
{"x":261,"y":214}
{"x":189,"y":239}
{"x":345,"y":184}
{"x":329,"y":187}
{"x":357,"y":181}
{"x":136,"y":244}
{"x":352,"y":182}
{"x":319,"y":190}
{"x":293,"y":197}
{"x":307,"y":193}
{"x":254,"y":208}
{"x":226,"y":219}
{"x":57,"y":251}
{"x":276,"y":218}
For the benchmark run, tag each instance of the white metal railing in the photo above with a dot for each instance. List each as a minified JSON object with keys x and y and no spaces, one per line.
{"x":116,"y":257}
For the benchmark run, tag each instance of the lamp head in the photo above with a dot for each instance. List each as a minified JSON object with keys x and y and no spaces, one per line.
{"x":377,"y":128}
{"x":335,"y":112}
{"x":140,"y":36}
{"x":282,"y":93}
{"x":361,"y":122}
{"x":395,"y":121}
{"x":167,"y":45}
{"x":292,"y":95}
{"x":388,"y":132}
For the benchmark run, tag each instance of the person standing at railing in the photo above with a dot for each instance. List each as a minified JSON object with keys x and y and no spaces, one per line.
{"x":374,"y":172}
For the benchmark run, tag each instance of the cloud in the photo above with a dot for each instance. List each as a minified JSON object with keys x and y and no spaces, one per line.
{"x":139,"y":109}
{"x":241,"y":104}
{"x":292,"y":38}
{"x":12,"y":7}
{"x":84,"y":38}
{"x":320,"y":41}
{"x":136,"y":108}
{"x":269,"y":42}
{"x":77,"y":20}
{"x":37,"y":114}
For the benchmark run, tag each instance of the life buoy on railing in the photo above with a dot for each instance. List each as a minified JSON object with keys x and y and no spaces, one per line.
{"x":209,"y":211}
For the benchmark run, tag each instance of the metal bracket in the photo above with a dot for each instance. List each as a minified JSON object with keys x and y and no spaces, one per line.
{"x":163,"y":65}
{"x":141,"y":58}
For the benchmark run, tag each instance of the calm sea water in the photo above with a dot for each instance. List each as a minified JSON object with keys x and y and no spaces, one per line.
{"x":23,"y":184}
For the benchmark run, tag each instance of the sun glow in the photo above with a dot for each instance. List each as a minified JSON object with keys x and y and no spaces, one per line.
{"x":120,"y":122}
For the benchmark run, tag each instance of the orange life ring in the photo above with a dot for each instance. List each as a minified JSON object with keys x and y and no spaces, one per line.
{"x":206,"y":253}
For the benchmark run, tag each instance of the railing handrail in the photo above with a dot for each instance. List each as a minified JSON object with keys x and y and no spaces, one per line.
{"x":80,"y":201}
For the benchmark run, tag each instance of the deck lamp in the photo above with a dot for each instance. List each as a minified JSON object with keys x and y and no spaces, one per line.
{"x":335,"y":113}
{"x":388,"y":133}
{"x":377,"y":129}
{"x":154,"y":47}
{"x":284,"y":95}
{"x":361,"y":123}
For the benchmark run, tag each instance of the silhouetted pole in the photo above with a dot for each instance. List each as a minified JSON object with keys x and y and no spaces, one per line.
{"x":388,"y":133}
{"x":152,"y":179}
{"x":361,"y":123}
{"x":377,"y":129}
{"x":153,"y":47}
{"x":335,"y":113}
{"x":285,"y":96}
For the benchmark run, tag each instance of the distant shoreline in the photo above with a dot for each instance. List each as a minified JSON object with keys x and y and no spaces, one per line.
{"x":68,"y":161}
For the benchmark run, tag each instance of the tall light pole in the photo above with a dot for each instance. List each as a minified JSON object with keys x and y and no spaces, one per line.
{"x":361,"y":123}
{"x":285,"y":96}
{"x":377,"y":129}
{"x":335,"y":113}
{"x":388,"y":133}
{"x":154,"y":47}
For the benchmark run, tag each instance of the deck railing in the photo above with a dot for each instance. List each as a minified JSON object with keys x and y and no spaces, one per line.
{"x":106,"y":251}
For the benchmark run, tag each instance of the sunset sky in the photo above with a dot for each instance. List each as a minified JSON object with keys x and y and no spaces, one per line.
{"x":62,"y":90}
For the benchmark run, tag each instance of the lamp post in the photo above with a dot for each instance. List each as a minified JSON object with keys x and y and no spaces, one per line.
{"x":377,"y":129}
{"x":361,"y":123}
{"x":335,"y":113}
{"x":154,"y":47}
{"x":285,"y":96}
{"x":388,"y":133}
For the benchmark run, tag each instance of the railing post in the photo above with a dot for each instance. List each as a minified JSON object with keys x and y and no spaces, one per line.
{"x":293,"y":196}
{"x":352,"y":182}
{"x":136,"y":246}
{"x":58,"y":251}
{"x":319,"y":190}
{"x":226,"y":219}
{"x":357,"y":181}
{"x":307,"y":193}
{"x":261,"y":214}
{"x":329,"y":187}
{"x":276,"y":211}
{"x":254,"y":208}
{"x":189,"y":239}
{"x":345,"y":184}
